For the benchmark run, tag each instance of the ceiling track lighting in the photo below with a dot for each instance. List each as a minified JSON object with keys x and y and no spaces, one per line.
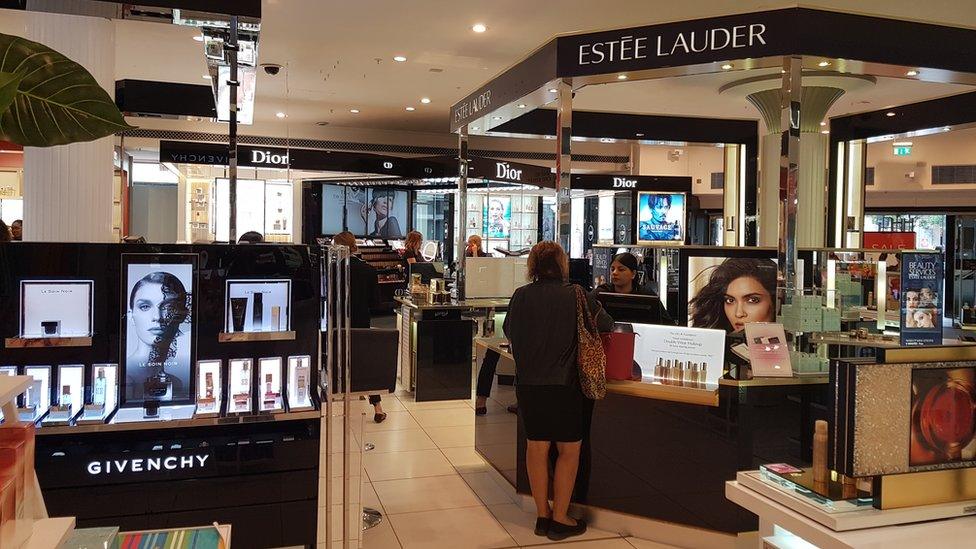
{"x":479,"y":28}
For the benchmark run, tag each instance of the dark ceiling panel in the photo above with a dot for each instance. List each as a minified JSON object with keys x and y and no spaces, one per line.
{"x":164,"y":98}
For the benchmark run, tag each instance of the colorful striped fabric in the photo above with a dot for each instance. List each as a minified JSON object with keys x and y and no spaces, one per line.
{"x":190,"y":538}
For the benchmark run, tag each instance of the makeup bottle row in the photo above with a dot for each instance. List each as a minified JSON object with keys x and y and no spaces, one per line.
{"x":676,"y":372}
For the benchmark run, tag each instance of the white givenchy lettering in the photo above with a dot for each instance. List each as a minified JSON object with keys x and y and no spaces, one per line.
{"x":139,"y":465}
{"x":505,"y":171}
{"x":627,"y":48}
{"x":624,"y":183}
{"x":267,"y":157}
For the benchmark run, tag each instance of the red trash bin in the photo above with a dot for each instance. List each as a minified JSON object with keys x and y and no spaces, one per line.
{"x":619,"y":348}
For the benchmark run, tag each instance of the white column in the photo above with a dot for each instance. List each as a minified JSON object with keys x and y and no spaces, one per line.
{"x":68,"y":189}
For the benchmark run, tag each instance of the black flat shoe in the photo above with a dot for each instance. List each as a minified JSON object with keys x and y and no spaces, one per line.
{"x":559,"y":531}
{"x":542,"y":526}
{"x":512,"y":408}
{"x":378,"y":418}
{"x":481,"y":411}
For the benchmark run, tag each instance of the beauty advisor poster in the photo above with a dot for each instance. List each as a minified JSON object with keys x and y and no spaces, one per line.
{"x":921,"y":299}
{"x":157,"y":326}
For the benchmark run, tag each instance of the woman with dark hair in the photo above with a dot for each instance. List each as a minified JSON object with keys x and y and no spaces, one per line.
{"x":541,"y":325}
{"x":385,"y":225}
{"x":623,"y":276}
{"x":158,"y":307}
{"x":739,"y":291}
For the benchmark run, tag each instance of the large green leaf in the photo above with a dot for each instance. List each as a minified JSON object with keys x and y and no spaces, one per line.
{"x":57,"y":100}
{"x":8,"y":88}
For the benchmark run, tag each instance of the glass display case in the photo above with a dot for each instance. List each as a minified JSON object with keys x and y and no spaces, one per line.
{"x":240,"y":381}
{"x":104,"y":394}
{"x":299,"y":383}
{"x":271,"y":384}
{"x":37,"y":399}
{"x":55,"y":313}
{"x":70,"y":395}
{"x":257,"y":306}
{"x":209,"y":395}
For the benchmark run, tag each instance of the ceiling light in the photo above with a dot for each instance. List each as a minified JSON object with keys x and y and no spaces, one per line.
{"x":399,"y":58}
{"x":475,"y":128}
{"x":824,"y":131}
{"x":621,"y":77}
{"x":207,"y":77}
{"x":912,"y":73}
{"x":606,"y":140}
{"x":479,"y":28}
{"x":496,"y":118}
{"x":411,"y":109}
{"x":322,"y":123}
{"x":280,"y":115}
{"x":425,"y":100}
{"x":640,"y":135}
{"x":824,"y":123}
{"x":553,"y":90}
{"x":823,"y":64}
{"x":901,"y":144}
{"x":890,"y":113}
{"x":727,"y":66}
{"x":198,"y":38}
{"x":354,"y":111}
{"x":550,"y":137}
{"x":521,"y":105}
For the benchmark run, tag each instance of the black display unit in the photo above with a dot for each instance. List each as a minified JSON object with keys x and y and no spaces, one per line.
{"x":256,"y":471}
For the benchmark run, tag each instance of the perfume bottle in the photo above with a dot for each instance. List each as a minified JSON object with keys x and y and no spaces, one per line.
{"x":98,"y":388}
{"x":209,"y":385}
{"x":159,"y":386}
{"x":270,"y":397}
{"x":65,"y":400}
{"x":302,"y":388}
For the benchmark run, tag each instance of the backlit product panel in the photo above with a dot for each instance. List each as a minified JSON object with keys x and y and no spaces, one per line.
{"x":661,"y":217}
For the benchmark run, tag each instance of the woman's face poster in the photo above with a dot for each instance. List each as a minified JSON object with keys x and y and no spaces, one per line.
{"x":729,"y":292}
{"x":158,"y":326}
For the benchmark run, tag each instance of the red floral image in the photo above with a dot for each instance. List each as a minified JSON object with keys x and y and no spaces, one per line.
{"x":943,"y":416}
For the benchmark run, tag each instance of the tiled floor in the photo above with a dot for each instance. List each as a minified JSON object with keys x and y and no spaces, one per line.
{"x":434,"y":489}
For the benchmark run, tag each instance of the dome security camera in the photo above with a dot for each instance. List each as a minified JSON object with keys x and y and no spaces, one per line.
{"x":271,"y":69}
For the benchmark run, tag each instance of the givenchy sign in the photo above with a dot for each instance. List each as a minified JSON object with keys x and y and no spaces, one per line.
{"x":147,"y":464}
{"x":631,"y":47}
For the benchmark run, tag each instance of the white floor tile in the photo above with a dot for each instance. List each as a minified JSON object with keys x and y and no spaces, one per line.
{"x":370,"y":499}
{"x":483,"y":484}
{"x":395,"y":421}
{"x":399,"y":441}
{"x":425,"y":494}
{"x":452,"y":437}
{"x":521,"y":526}
{"x":381,"y":536}
{"x":421,"y":463}
{"x":615,"y":543}
{"x":465,"y":458}
{"x":467,"y":528}
{"x":645,"y":544}
{"x":497,"y":433}
{"x":410,"y":404}
{"x":451,"y":417}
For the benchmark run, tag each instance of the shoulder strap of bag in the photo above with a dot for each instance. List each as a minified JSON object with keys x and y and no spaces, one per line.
{"x":584,"y":315}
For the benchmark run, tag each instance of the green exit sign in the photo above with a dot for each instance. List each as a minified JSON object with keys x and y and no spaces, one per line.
{"x":903,"y":151}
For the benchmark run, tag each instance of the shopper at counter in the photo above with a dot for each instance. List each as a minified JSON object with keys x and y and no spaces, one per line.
{"x":623,"y":277}
{"x":251,"y":237}
{"x":411,"y":249}
{"x":475,"y":249}
{"x":541,"y":324}
{"x":17,"y":230}
{"x":362,"y":290}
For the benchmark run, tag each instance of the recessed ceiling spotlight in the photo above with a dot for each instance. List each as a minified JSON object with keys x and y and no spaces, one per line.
{"x":280,"y":115}
{"x":606,"y":140}
{"x":823,"y":64}
{"x":475,"y":128}
{"x":727,"y":66}
{"x":553,"y":90}
{"x":824,"y":123}
{"x":399,"y":58}
{"x":354,"y":111}
{"x":479,"y":28}
{"x":621,"y":77}
{"x":425,"y":100}
{"x":198,"y":38}
{"x":207,"y":77}
{"x":912,"y":73}
{"x":496,"y":118}
{"x":824,"y":131}
{"x":550,"y":137}
{"x":521,"y":105}
{"x":411,"y":109}
{"x":946,"y":129}
{"x":322,"y":123}
{"x":890,"y":113}
{"x":640,"y":135}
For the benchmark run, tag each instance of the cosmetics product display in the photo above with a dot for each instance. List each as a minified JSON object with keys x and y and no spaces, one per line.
{"x":104,"y":394}
{"x":56,"y":308}
{"x":98,"y":388}
{"x":257,"y":312}
{"x":299,"y":383}
{"x":270,"y":375}
{"x":208,"y":388}
{"x":238,"y":308}
{"x":258,"y":306}
{"x":240,"y":385}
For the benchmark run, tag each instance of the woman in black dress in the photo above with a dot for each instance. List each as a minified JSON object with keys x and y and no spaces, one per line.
{"x":541,"y":325}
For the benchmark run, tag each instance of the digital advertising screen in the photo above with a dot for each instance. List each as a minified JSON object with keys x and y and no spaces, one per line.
{"x":661,"y":217}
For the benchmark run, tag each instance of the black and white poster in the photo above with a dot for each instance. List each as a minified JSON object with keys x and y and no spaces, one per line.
{"x":158,"y":330}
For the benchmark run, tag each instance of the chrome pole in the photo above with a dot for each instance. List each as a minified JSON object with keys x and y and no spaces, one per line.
{"x":789,"y":169}
{"x":564,"y":158}
{"x":462,"y":208}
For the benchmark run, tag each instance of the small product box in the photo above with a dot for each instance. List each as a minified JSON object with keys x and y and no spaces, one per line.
{"x":810,"y":302}
{"x":790,"y":317}
{"x":811,"y":320}
{"x":831,"y":320}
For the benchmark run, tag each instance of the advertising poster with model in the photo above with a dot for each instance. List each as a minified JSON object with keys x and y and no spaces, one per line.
{"x":257,"y":306}
{"x":498,"y":217}
{"x":660,"y":217}
{"x":157,"y":326}
{"x":729,"y":292}
{"x":385,"y":214}
{"x":921,"y":299}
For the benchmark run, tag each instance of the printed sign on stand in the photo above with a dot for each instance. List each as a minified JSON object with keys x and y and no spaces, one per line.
{"x":921,"y":299}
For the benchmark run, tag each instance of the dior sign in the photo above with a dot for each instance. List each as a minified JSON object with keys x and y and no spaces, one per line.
{"x":624,"y":183}
{"x":270,"y":158}
{"x":148,"y":464}
{"x":503,"y":170}
{"x":631,"y":47}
